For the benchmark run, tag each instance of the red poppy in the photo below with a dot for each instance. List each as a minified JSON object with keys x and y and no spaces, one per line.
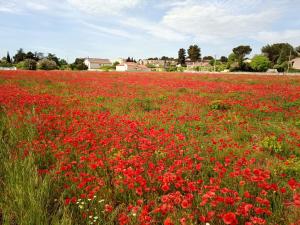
{"x":230,"y":218}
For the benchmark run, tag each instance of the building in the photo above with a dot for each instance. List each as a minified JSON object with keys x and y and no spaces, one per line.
{"x":95,"y":64}
{"x":131,"y":66}
{"x":8,"y":68}
{"x":157,"y":62}
{"x":204,"y":63}
{"x":296,"y":63}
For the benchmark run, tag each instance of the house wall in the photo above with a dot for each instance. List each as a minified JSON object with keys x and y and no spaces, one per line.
{"x":296,"y":64}
{"x":121,"y":68}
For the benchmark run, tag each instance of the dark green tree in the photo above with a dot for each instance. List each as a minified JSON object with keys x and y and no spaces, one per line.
{"x":54,"y":58}
{"x":30,"y":55}
{"x":208,"y":58}
{"x":78,"y":64}
{"x":181,"y":56}
{"x":19,"y":56}
{"x":241,"y":51}
{"x":279,"y":53}
{"x":298,"y":49}
{"x":194,"y":53}
{"x":38,"y":56}
{"x":8,"y":59}
{"x":224,"y":59}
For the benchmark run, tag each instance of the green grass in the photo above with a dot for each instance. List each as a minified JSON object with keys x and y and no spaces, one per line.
{"x":26,"y":197}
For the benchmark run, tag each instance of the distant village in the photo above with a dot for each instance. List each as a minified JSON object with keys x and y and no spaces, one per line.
{"x":121,"y":65}
{"x":278,"y":57}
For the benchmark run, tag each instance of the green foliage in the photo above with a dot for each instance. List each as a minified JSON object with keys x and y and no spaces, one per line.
{"x":150,"y":66}
{"x":297,"y":123}
{"x":146,"y":104}
{"x":115,"y":64}
{"x":79,"y":64}
{"x":219,"y":105}
{"x":271,"y":144}
{"x":223,"y":59}
{"x":288,"y":105}
{"x":46,"y":64}
{"x":107,"y":68}
{"x":26,"y":197}
{"x":279,"y":53}
{"x":19,"y":56}
{"x":260,"y":63}
{"x":241,"y":51}
{"x":8,"y":59}
{"x":194,"y":53}
{"x":181,"y":56}
{"x":30,"y":64}
{"x":4,"y":63}
{"x":208,"y":58}
{"x":290,"y":167}
{"x":171,"y":69}
{"x":281,"y":67}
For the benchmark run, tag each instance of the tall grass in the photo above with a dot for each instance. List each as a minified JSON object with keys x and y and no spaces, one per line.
{"x":26,"y":197}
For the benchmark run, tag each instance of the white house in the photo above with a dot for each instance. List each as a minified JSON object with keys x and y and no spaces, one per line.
{"x":131,"y":66}
{"x":95,"y":64}
{"x":296,"y":63}
{"x":8,"y":68}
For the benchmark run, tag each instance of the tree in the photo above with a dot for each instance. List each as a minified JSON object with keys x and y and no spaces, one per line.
{"x":240,"y":52}
{"x":232,"y":62}
{"x":29,"y":64}
{"x":298,"y":49}
{"x":19,"y":56}
{"x":260,"y":63}
{"x":223,"y":59}
{"x":279,"y":53}
{"x":194,"y":53}
{"x":30,"y":55}
{"x":8,"y":59}
{"x":208,"y":58}
{"x":181,"y":56}
{"x":38,"y":55}
{"x":78,"y":64}
{"x":46,"y":64}
{"x":52,"y":57}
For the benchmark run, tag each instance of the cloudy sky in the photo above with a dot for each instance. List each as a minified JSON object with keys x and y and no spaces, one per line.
{"x":145,"y":28}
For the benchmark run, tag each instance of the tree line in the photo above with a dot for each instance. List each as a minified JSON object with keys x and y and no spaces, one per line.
{"x":275,"y":56}
{"x":38,"y":60}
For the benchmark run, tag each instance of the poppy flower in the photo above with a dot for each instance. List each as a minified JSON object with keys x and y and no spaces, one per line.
{"x":230,"y":218}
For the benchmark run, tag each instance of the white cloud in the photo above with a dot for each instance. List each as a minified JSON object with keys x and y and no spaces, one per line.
{"x":7,"y":6}
{"x":157,"y":30}
{"x":217,"y":21}
{"x":290,"y":36}
{"x":38,"y":6}
{"x":103,"y":7}
{"x":108,"y":30}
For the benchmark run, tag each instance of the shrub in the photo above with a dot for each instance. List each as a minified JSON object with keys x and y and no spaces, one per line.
{"x":30,"y":64}
{"x":46,"y":64}
{"x":260,"y":63}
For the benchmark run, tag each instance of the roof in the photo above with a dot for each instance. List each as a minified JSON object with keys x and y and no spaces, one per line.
{"x":98,"y":61}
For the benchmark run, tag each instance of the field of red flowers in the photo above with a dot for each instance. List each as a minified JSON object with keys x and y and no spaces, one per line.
{"x":149,"y":148}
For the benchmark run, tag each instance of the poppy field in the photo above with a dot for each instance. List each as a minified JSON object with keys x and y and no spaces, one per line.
{"x":149,"y":148}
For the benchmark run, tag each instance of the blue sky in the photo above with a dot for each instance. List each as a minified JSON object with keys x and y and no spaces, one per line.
{"x":144,"y":28}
